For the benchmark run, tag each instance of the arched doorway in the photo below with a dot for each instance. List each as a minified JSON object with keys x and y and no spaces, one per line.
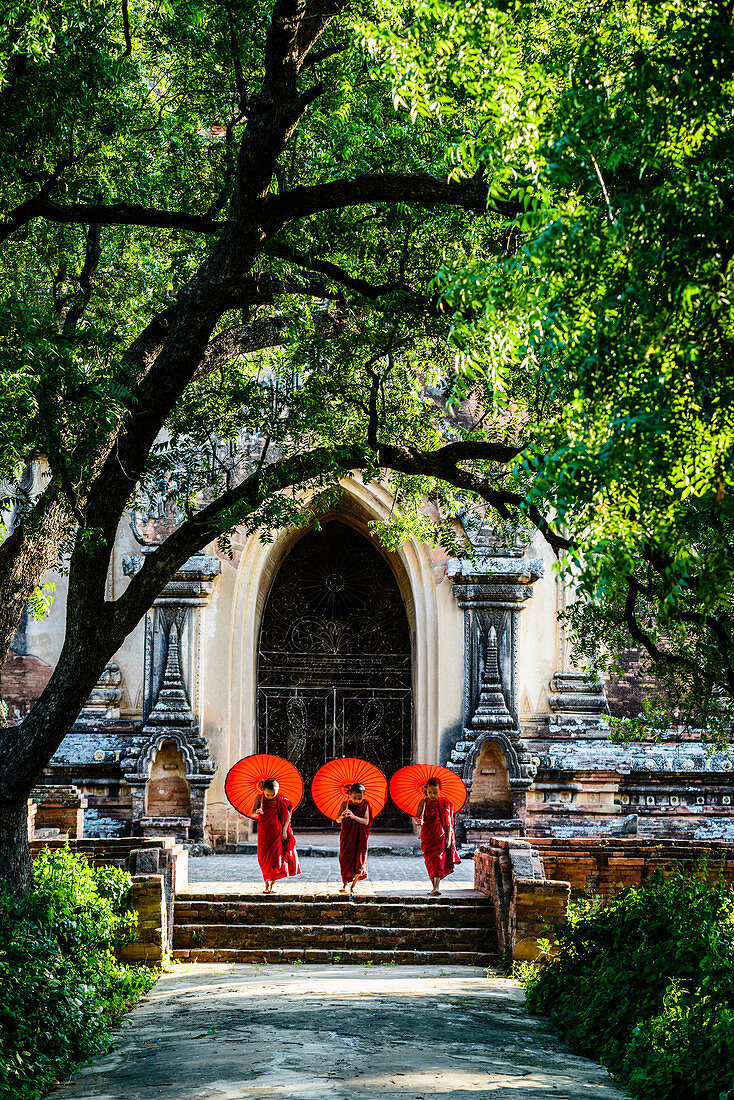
{"x":167,"y":791}
{"x":334,"y":661}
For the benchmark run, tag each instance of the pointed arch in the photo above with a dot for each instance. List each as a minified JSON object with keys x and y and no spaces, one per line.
{"x":361,"y":504}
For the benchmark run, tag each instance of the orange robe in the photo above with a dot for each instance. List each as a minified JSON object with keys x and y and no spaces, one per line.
{"x":278,"y":858}
{"x":436,"y":826}
{"x":353,"y":843}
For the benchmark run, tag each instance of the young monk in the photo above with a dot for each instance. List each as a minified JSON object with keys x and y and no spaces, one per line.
{"x":435,"y":815}
{"x":355,"y":816}
{"x":276,"y":844}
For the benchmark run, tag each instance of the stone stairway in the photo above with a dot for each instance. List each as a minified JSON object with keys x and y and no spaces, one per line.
{"x":324,"y":929}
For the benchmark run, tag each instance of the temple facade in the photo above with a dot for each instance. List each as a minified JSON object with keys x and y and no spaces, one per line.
{"x":320,"y":643}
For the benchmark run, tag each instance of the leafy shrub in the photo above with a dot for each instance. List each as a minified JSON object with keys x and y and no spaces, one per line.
{"x":646,"y":985}
{"x":61,"y":988}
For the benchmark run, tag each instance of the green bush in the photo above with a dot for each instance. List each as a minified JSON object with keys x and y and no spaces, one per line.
{"x":61,"y":988}
{"x":646,"y":985}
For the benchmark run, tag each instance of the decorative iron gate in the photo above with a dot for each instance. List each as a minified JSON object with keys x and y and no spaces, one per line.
{"x":334,"y":667}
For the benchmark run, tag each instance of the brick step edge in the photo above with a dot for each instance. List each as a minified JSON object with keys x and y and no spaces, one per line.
{"x":190,"y":897}
{"x":300,"y":935}
{"x":343,"y":957}
{"x":311,"y":851}
{"x":277,"y":917}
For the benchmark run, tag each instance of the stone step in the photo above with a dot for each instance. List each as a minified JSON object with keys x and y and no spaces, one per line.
{"x":190,"y":894}
{"x":332,"y":937}
{"x":344,"y":956}
{"x":274,"y":913}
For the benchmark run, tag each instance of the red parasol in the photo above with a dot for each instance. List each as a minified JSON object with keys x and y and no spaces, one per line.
{"x":331,"y":785}
{"x":241,"y":785}
{"x":406,"y":786}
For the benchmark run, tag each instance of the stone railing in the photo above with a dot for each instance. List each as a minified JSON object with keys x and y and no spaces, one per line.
{"x":526,"y":903}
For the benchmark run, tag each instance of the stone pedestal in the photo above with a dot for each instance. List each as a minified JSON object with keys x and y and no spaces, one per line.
{"x":172,"y":662}
{"x":61,"y":808}
{"x":492,"y":590}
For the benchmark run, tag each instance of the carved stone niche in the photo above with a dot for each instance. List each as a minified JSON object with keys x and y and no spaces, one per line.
{"x":492,"y":590}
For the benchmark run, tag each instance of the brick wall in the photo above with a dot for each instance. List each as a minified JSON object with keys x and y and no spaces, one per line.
{"x":22,"y":680}
{"x":626,"y":692}
{"x":604,"y":866}
{"x":60,"y":807}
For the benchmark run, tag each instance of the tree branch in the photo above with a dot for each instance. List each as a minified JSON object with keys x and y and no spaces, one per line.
{"x":122,"y":213}
{"x":86,"y":277}
{"x":265,"y":332}
{"x":389,"y":187}
{"x":352,"y":282}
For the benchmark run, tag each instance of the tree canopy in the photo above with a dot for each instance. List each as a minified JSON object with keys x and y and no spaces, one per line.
{"x":605,"y":325}
{"x":481,"y":249}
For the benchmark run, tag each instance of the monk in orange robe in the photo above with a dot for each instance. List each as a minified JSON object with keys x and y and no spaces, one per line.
{"x":435,"y":815}
{"x":355,"y":816}
{"x":276,"y":844}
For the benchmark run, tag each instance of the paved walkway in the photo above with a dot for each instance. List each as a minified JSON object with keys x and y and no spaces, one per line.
{"x":225,"y":1032}
{"x":386,"y":875}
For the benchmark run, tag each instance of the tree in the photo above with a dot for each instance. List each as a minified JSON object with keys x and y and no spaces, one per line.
{"x":214,"y":225}
{"x":606,"y":326}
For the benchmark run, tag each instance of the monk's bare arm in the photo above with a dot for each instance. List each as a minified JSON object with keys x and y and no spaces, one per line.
{"x":450,"y":834}
{"x":419,"y":812}
{"x":257,"y":805}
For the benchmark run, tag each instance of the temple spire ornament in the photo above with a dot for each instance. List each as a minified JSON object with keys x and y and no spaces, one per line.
{"x":491,"y":712}
{"x":172,"y":705}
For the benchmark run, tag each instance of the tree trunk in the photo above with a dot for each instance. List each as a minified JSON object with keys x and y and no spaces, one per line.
{"x":16,"y":868}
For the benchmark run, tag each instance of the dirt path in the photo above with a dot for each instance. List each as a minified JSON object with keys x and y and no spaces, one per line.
{"x":226,"y":1032}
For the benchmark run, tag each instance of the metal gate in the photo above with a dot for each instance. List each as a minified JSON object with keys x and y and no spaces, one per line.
{"x":334,"y":664}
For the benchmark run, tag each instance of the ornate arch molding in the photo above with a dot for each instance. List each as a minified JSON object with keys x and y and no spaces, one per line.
{"x":154,"y":745}
{"x":513,"y":751}
{"x":258,"y":566}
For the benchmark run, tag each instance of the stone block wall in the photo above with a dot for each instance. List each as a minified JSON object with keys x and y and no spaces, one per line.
{"x":538,"y":905}
{"x":152,"y":936}
{"x":526,"y":903}
{"x":170,"y":863}
{"x":531,"y":881}
{"x":158,"y":867}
